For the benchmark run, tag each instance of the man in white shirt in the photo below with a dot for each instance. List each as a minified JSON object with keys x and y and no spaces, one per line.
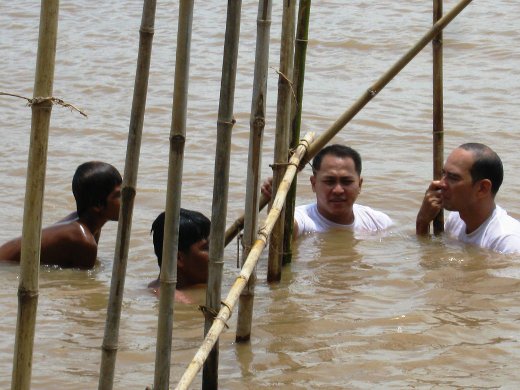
{"x":337,"y":182}
{"x":471,"y":178}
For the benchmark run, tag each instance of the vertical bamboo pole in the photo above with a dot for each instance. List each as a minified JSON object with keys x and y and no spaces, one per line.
{"x":300,"y":54}
{"x":35,"y":186}
{"x":438,"y":124}
{"x":173,"y":197}
{"x":257,"y":124}
{"x":225,"y":124}
{"x":111,"y":336}
{"x":281,"y":145}
{"x":369,"y":94}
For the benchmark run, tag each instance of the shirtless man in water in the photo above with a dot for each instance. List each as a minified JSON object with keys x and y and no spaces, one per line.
{"x":72,"y":242}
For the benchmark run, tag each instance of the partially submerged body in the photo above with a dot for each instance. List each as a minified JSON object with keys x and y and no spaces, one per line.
{"x":65,"y":244}
{"x":73,"y":241}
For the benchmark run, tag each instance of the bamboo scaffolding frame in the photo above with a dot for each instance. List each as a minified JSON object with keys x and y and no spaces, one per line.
{"x":35,"y":185}
{"x":110,"y":340}
{"x":283,"y":122}
{"x":438,"y":123}
{"x":341,"y":122}
{"x":351,"y":112}
{"x":248,"y":267}
{"x":225,"y":124}
{"x":300,"y":54}
{"x":168,"y":275}
{"x":257,"y":124}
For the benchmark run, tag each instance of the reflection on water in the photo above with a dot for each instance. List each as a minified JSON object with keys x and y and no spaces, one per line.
{"x":384,"y":311}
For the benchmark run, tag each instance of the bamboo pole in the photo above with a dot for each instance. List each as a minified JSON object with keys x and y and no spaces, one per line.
{"x":322,"y":140}
{"x":300,"y":55}
{"x":438,"y":125}
{"x":111,"y":336}
{"x":281,"y":144}
{"x":35,"y":186}
{"x":247,"y":269}
{"x":225,"y":124}
{"x":173,"y":197}
{"x":347,"y":116}
{"x":257,"y":124}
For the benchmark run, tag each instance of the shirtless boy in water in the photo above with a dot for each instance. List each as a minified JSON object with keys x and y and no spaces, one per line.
{"x":72,"y":242}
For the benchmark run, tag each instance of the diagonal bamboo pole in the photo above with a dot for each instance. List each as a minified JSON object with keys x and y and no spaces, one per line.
{"x":173,"y":197}
{"x":35,"y":186}
{"x":341,"y":122}
{"x":111,"y":336}
{"x":247,"y":269}
{"x":221,"y":181}
{"x":438,"y":124}
{"x":347,"y":116}
{"x":300,"y":55}
{"x":281,"y":144}
{"x":257,"y":124}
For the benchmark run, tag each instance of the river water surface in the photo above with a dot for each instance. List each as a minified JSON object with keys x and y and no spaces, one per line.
{"x":386,"y":311}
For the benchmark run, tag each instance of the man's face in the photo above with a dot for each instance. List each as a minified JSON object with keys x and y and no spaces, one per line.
{"x":111,"y":209}
{"x":194,"y":262}
{"x":457,"y":189}
{"x":337,"y":186}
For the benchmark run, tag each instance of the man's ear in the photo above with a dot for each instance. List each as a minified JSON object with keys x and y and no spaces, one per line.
{"x":360,"y":183}
{"x":313,"y":182}
{"x":180,"y":257}
{"x":484,"y":187}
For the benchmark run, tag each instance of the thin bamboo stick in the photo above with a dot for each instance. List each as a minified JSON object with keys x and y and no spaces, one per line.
{"x":35,"y":186}
{"x":281,"y":144}
{"x":300,"y":55}
{"x":237,"y":226}
{"x":173,"y":197}
{"x":111,"y":336}
{"x":257,"y":124}
{"x":323,"y":139}
{"x":247,"y":269}
{"x":221,"y":181}
{"x":438,"y":123}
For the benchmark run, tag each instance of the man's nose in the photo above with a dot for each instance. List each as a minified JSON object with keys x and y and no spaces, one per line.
{"x":338,"y":188}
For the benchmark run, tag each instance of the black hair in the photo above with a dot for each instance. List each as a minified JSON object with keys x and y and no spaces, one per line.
{"x":193,"y":227}
{"x":486,"y":165}
{"x":92,"y":184}
{"x":337,"y":150}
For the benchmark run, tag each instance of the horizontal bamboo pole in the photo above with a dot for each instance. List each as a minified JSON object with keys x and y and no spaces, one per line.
{"x":249,"y":265}
{"x":347,"y":116}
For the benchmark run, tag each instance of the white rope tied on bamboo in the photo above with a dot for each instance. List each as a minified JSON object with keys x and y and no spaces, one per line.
{"x":229,"y":303}
{"x":39,"y":100}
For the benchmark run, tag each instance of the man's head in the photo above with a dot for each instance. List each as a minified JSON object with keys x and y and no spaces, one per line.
{"x":192,"y":255}
{"x":337,"y":182}
{"x":473,"y":172}
{"x":337,"y":150}
{"x":97,"y":184}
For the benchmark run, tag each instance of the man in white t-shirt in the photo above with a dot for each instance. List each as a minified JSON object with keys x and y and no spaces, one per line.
{"x":471,"y":178}
{"x":336,"y":181}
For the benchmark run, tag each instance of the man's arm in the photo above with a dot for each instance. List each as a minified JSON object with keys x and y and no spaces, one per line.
{"x":10,"y":251}
{"x":430,"y":207}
